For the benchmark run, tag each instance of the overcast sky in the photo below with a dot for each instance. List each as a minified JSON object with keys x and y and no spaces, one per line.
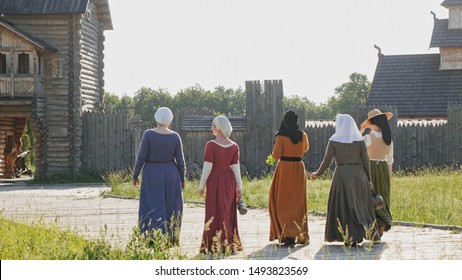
{"x":313,"y":46}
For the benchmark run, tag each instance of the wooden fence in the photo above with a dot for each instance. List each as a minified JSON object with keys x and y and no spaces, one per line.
{"x":109,"y":142}
{"x":417,"y":143}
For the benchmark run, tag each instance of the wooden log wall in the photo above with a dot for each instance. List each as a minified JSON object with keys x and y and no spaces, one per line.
{"x":108,"y":142}
{"x":6,"y":129}
{"x":416,"y":143}
{"x":264,"y":112}
{"x":196,"y":133}
{"x":455,"y":134}
{"x":318,"y":136}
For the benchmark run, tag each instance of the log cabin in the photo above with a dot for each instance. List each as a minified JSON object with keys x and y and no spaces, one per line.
{"x":51,"y":70}
{"x":422,"y":86}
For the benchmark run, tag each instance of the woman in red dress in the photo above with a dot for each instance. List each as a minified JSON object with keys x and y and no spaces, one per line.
{"x":221,"y":184}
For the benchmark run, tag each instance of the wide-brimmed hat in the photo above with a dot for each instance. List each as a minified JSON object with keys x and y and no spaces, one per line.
{"x":375,"y":113}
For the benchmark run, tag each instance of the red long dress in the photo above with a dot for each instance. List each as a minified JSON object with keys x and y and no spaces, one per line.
{"x":220,"y":226}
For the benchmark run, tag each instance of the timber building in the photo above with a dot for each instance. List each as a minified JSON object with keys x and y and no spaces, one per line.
{"x":51,"y":70}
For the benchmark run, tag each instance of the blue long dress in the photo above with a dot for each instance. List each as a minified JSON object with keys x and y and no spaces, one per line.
{"x":160,"y":156}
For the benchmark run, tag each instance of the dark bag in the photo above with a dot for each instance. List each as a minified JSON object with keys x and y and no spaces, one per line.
{"x":377,"y":201}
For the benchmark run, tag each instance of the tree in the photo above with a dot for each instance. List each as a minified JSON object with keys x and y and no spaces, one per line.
{"x":222,"y":100}
{"x":312,"y":110}
{"x":351,"y":95}
{"x":113,"y":103}
{"x":193,"y":97}
{"x":147,"y":101}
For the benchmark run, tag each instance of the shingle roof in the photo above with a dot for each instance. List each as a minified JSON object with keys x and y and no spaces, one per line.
{"x":40,"y":45}
{"x":444,"y":37}
{"x":415,"y":85}
{"x":55,"y":7}
{"x":203,"y":123}
{"x":447,"y":3}
{"x":31,"y":7}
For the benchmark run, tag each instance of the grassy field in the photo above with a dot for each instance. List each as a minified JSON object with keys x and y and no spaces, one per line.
{"x":427,"y":196}
{"x":48,"y":242}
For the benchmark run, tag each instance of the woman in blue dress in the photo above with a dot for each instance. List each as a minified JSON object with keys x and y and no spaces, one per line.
{"x":160,"y":156}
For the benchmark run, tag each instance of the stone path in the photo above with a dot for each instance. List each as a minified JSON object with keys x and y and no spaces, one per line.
{"x":82,"y":207}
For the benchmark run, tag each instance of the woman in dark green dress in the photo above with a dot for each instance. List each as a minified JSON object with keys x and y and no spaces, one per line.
{"x":380,"y":151}
{"x":350,"y":213}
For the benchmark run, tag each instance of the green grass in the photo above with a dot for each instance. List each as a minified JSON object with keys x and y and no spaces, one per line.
{"x":48,"y":242}
{"x":66,"y":178}
{"x":429,"y":195}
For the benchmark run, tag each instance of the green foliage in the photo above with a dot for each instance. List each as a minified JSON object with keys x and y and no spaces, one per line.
{"x":348,"y":97}
{"x":221,"y":100}
{"x":147,"y":101}
{"x":28,"y":144}
{"x":121,"y":183}
{"x":48,"y":242}
{"x":270,"y":161}
{"x":351,"y":95}
{"x":313,"y":111}
{"x":428,"y":197}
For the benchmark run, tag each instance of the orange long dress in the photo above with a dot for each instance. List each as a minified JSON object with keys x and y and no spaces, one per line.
{"x":287,"y":199}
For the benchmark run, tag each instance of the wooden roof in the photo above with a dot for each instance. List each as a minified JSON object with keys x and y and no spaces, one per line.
{"x":448,"y":3}
{"x":442,"y":36}
{"x":55,"y":7}
{"x":204,"y":123}
{"x":37,"y":43}
{"x":415,"y":85}
{"x":42,"y":7}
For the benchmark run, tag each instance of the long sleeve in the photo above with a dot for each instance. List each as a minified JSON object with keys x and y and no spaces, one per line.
{"x":237,"y":173}
{"x":327,"y":160}
{"x":142,"y":156}
{"x":306,"y":143}
{"x":390,"y":157}
{"x":277,"y":149}
{"x":206,"y":169}
{"x":179,"y":157}
{"x":365,"y":160}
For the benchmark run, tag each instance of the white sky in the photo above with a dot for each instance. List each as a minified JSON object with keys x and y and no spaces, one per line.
{"x":313,"y":46}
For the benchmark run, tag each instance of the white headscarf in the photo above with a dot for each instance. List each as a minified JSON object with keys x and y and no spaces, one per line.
{"x":346,"y":130}
{"x":163,"y":116}
{"x":223,"y":125}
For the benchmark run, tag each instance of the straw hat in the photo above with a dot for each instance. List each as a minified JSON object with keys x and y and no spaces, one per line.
{"x":375,"y":113}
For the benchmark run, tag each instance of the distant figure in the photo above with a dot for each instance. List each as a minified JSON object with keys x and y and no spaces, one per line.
{"x":287,"y":198}
{"x":161,"y":200}
{"x":350,"y":213}
{"x":221,"y":184}
{"x":10,"y":152}
{"x":380,"y":149}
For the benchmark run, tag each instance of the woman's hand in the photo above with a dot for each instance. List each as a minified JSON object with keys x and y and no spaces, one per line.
{"x":314,"y":176}
{"x":202,"y":192}
{"x":238,"y":194}
{"x":136,"y":183}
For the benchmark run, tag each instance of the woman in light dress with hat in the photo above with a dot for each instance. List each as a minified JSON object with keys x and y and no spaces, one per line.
{"x":380,"y":149}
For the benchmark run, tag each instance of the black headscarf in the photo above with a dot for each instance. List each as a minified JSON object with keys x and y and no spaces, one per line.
{"x":289,"y":127}
{"x":382,"y":122}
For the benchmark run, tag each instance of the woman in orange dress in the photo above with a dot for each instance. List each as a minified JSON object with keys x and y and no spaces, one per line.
{"x":287,"y":197}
